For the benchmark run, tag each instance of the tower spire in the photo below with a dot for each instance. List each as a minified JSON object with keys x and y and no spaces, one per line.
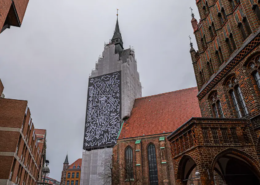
{"x":66,"y":160}
{"x":117,"y":37}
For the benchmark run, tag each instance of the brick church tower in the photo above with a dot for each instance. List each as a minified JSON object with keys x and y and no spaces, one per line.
{"x":222,"y":147}
{"x":63,"y":173}
{"x":113,"y":87}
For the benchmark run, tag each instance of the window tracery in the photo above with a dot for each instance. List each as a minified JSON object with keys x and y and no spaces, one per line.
{"x":216,"y":106}
{"x":237,"y":97}
{"x":254,"y":69}
{"x":129,"y":163}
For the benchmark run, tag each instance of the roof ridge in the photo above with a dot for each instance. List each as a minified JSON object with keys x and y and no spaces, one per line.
{"x":165,"y":93}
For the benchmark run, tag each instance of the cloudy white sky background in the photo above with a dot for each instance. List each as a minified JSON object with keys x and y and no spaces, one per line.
{"x":48,"y":60}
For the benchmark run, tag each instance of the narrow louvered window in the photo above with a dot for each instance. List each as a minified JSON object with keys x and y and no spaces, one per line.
{"x":153,"y":175}
{"x":129,"y":163}
{"x":224,"y":133}
{"x":234,"y":135}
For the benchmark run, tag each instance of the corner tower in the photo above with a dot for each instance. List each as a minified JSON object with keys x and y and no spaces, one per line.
{"x":113,"y":87}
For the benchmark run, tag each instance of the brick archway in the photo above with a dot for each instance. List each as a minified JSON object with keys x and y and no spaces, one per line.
{"x":235,"y":167}
{"x":185,"y":167}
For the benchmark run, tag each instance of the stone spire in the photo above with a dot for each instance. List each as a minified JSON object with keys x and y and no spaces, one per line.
{"x":117,"y":38}
{"x":66,"y":160}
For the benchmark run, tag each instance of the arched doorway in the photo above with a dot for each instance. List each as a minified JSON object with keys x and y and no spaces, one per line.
{"x":186,"y":171}
{"x":231,"y":169}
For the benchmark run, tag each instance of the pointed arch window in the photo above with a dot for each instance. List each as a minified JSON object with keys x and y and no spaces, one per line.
{"x":255,"y":8}
{"x":129,"y":163}
{"x":216,"y":105}
{"x":210,"y":68}
{"x":153,"y":174}
{"x":254,"y":69}
{"x":219,"y":56}
{"x":237,"y":97}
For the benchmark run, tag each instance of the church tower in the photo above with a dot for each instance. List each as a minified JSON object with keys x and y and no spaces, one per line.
{"x":113,"y":87}
{"x":63,"y":173}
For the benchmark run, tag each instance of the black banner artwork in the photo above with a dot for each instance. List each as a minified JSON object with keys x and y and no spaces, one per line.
{"x":103,"y":116}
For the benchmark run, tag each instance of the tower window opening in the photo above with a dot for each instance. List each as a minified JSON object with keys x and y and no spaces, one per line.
{"x":242,"y":30}
{"x":232,"y":42}
{"x":256,"y":9}
{"x":230,"y":49}
{"x":248,"y":29}
{"x":211,"y":32}
{"x":224,"y":15}
{"x":210,"y":68}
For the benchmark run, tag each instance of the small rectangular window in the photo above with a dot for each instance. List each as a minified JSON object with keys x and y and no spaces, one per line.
{"x":68,"y":182}
{"x":72,"y":183}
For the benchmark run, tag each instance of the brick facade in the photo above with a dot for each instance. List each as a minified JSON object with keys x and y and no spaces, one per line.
{"x":20,"y":154}
{"x":223,"y":146}
{"x":12,"y":13}
{"x":140,"y":160}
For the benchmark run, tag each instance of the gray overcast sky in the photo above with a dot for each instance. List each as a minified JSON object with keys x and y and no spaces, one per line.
{"x":48,"y":60}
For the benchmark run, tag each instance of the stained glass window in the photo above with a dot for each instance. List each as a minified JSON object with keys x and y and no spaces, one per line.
{"x":153,"y":175}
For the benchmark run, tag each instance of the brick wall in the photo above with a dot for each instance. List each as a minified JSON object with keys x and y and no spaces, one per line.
{"x":19,"y":153}
{"x":140,"y":160}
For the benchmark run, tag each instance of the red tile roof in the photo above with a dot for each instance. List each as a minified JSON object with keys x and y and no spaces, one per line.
{"x":76,"y":164}
{"x":161,"y":113}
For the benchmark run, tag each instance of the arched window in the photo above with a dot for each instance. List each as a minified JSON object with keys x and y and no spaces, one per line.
{"x":73,"y":175}
{"x":219,"y":56}
{"x":68,"y":182}
{"x":68,"y":175}
{"x":153,"y":175}
{"x":224,"y":15}
{"x":255,"y":8}
{"x":216,"y":106}
{"x":237,"y":97}
{"x":129,"y":163}
{"x":210,"y":68}
{"x":254,"y":68}
{"x":77,"y":175}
